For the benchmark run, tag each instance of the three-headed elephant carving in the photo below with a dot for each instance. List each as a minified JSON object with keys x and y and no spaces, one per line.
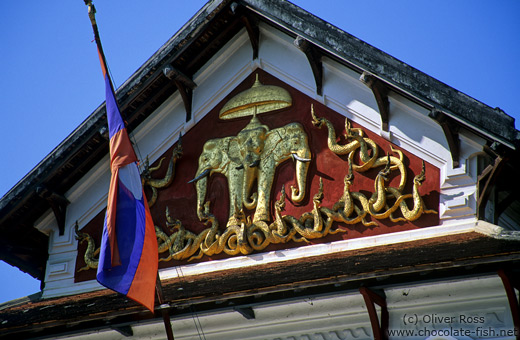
{"x":249,"y":161}
{"x":262,"y":150}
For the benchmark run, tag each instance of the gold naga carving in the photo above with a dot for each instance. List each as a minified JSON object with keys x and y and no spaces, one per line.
{"x":249,"y":159}
{"x":377,"y":205}
{"x":166,"y":181}
{"x":91,"y":256}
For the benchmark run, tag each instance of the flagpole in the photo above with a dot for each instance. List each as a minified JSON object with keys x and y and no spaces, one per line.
{"x":92,"y":16}
{"x":158,"y":287}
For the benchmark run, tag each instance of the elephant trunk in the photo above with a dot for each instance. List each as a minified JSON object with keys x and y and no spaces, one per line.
{"x":250,"y":175}
{"x":302,"y":166}
{"x":201,"y":186}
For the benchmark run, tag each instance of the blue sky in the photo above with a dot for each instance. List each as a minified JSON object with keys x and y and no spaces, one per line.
{"x":51,"y":79}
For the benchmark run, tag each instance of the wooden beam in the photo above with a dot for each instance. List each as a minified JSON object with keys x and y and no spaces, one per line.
{"x":246,"y":312}
{"x":124,"y":330}
{"x":314,"y":58}
{"x":58,"y":204}
{"x":489,"y":175}
{"x":185,"y":85}
{"x":451,"y":132}
{"x":501,"y":206}
{"x":164,"y":307}
{"x":213,"y":44}
{"x":380,"y":331}
{"x":512,"y":282}
{"x":380,"y":91}
{"x":251,"y":26}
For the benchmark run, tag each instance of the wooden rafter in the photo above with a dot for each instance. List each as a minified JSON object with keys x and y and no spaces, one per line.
{"x":486,"y":181}
{"x":380,"y":91}
{"x":58,"y":204}
{"x":126,"y":331}
{"x":314,"y":57}
{"x":251,"y":26}
{"x":246,"y":312}
{"x":512,"y":282}
{"x":164,"y":307}
{"x":371,"y":299}
{"x":451,"y":131}
{"x":184,"y":84}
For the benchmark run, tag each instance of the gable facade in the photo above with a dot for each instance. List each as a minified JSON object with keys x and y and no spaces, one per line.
{"x":432,"y":249}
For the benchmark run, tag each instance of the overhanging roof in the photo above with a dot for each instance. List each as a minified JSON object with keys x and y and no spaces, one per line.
{"x":188,"y":50}
{"x":403,"y":264}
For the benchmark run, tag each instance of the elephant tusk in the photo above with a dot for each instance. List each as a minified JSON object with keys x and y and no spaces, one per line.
{"x":254,"y":164}
{"x":203,"y":174}
{"x":240,"y":167}
{"x":298,"y":158}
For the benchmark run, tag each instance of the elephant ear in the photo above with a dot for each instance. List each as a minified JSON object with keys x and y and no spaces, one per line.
{"x":233,"y":151}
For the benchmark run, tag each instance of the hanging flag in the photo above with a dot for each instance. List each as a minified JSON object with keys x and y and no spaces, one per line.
{"x":128,"y":259}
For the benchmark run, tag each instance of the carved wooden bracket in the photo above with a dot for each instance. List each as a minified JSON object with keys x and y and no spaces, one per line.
{"x":451,"y":131}
{"x":58,"y":205}
{"x":512,"y":282}
{"x":489,"y":175}
{"x":125,"y":331}
{"x":164,"y":307}
{"x":184,"y":84}
{"x":314,"y":57}
{"x":371,"y":298}
{"x":380,"y":91}
{"x":246,"y":312}
{"x":251,"y":26}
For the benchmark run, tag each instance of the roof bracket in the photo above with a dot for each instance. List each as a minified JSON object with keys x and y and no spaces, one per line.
{"x":58,"y":205}
{"x":184,"y":84}
{"x":124,"y":330}
{"x":246,"y":312}
{"x":380,"y":91}
{"x":484,"y":189}
{"x":314,"y":57}
{"x":372,"y":298}
{"x":254,"y":35}
{"x":512,"y":282}
{"x":251,"y":27}
{"x":451,"y":131}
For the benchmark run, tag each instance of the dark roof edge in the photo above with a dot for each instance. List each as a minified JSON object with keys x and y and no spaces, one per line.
{"x":491,"y":122}
{"x":83,"y":132}
{"x":175,"y":44}
{"x":97,"y":119}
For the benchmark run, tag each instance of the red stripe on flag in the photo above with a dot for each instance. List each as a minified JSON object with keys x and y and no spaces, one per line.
{"x":143,"y":287}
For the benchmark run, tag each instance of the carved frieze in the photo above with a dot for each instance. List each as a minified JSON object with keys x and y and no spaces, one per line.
{"x":259,"y":174}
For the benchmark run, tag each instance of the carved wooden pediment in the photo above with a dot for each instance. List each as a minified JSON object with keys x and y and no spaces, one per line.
{"x":288,"y":176}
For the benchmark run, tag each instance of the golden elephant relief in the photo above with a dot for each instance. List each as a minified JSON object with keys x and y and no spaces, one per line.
{"x":249,"y":161}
